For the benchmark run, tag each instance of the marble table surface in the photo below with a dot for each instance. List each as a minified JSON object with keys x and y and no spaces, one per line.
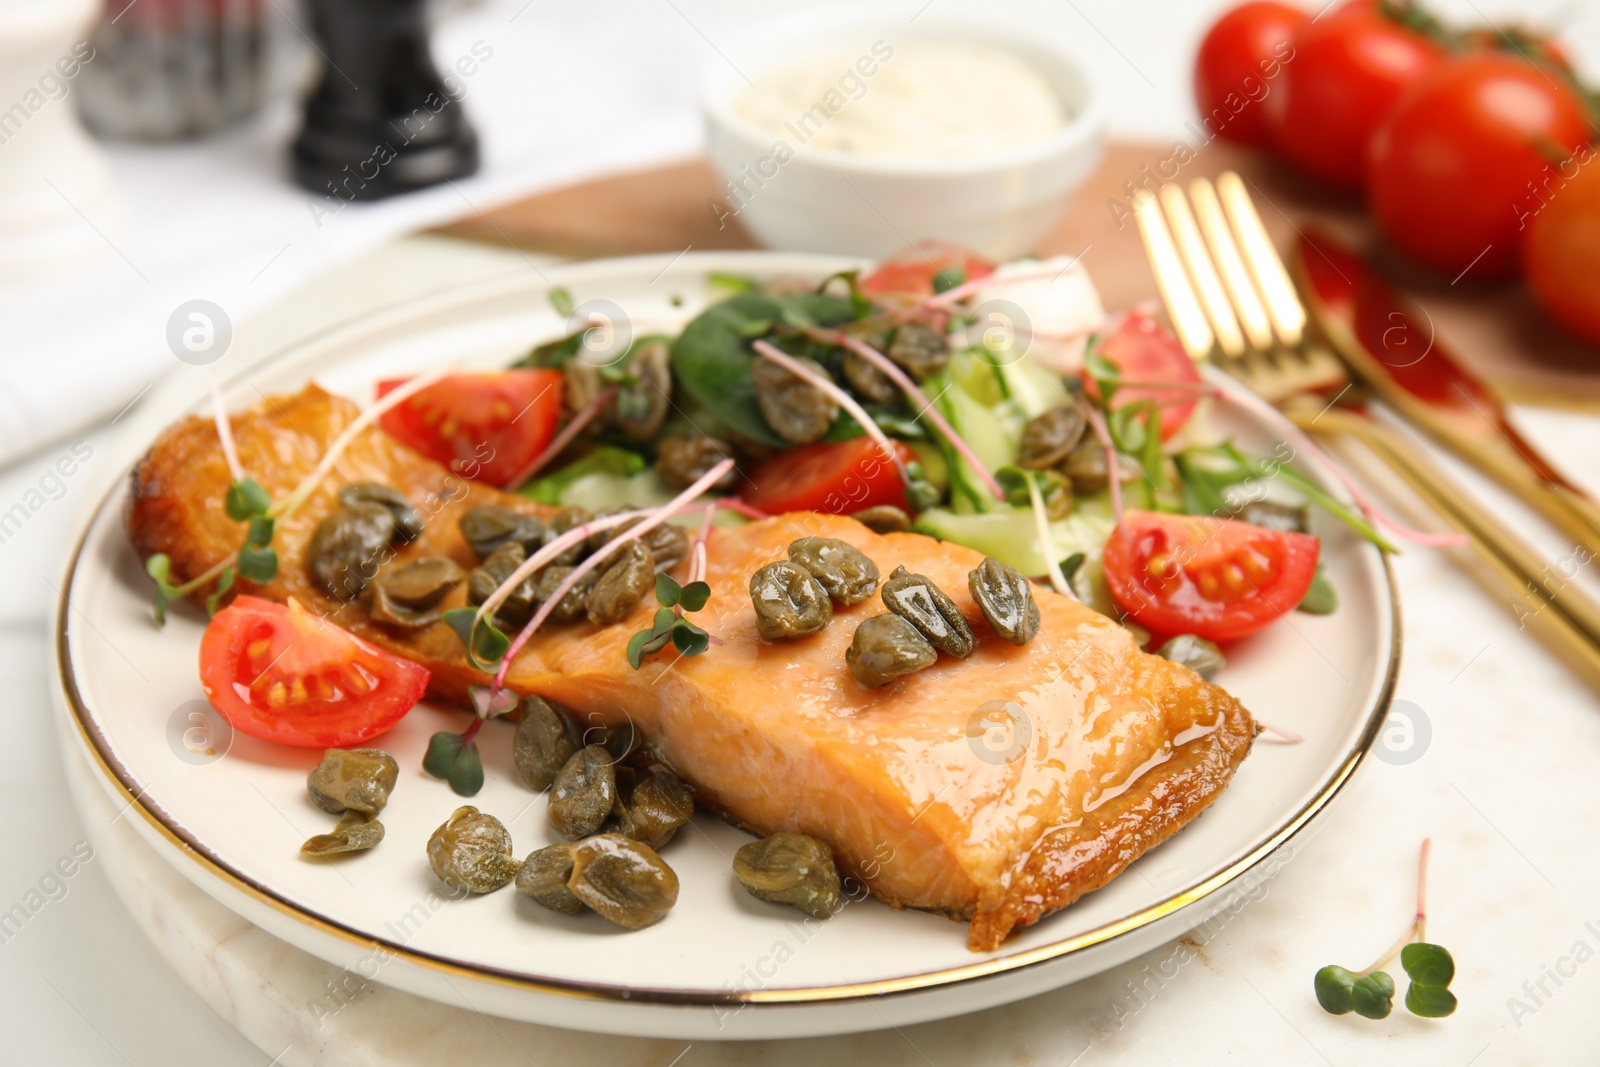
{"x":122,"y":961}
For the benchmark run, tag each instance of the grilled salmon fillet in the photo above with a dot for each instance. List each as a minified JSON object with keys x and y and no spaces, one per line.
{"x":994,"y":789}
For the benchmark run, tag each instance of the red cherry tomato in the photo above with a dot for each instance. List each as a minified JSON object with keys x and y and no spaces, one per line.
{"x":1215,"y":578}
{"x":1451,"y":167}
{"x":836,"y":478}
{"x":282,"y":674}
{"x":1146,"y":351}
{"x":1561,"y":249}
{"x":1241,"y":55}
{"x":912,"y":269}
{"x":487,"y":427}
{"x":1348,"y":70}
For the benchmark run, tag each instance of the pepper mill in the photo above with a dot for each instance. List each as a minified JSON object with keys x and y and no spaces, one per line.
{"x":380,"y":121}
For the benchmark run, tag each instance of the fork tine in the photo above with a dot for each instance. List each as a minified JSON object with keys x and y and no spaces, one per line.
{"x":1288,"y":315}
{"x":1201,"y":272}
{"x":1246,"y":301}
{"x":1176,"y":292}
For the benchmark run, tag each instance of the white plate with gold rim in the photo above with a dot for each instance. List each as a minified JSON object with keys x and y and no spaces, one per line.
{"x":230,"y":812}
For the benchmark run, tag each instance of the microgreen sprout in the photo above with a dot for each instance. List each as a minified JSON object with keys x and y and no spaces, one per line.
{"x":1370,"y":992}
{"x":454,"y":757}
{"x":669,"y":624}
{"x":246,"y":502}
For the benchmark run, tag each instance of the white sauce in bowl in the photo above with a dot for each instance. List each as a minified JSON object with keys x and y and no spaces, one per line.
{"x":921,"y":100}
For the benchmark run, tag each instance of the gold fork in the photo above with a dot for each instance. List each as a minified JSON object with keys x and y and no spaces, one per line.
{"x":1230,"y":298}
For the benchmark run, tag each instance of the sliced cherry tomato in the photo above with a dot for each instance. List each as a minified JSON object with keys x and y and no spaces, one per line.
{"x":1464,"y":157}
{"x":1347,"y":71}
{"x":1215,"y":578}
{"x":1146,"y":351}
{"x":837,"y":478}
{"x":488,"y":427}
{"x":1241,"y":55}
{"x":1561,"y":250}
{"x":282,"y":674}
{"x":913,"y":269}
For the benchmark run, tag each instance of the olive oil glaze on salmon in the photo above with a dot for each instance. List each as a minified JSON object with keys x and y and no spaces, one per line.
{"x":995,"y":789}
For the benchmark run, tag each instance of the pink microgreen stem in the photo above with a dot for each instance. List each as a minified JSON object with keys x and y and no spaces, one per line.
{"x":654,"y":519}
{"x":1097,"y":423}
{"x":574,"y":426}
{"x":224,"y":429}
{"x":839,"y":396}
{"x":697,"y":552}
{"x":547,"y":553}
{"x":1418,"y":930}
{"x":1289,"y":736}
{"x":978,"y":285}
{"x":739,"y":507}
{"x":900,"y":378}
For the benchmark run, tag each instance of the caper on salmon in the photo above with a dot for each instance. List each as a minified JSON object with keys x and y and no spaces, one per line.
{"x":404,"y":595}
{"x":541,"y":746}
{"x":407,"y":520}
{"x":655,"y":809}
{"x":838,"y":566}
{"x":790,"y":869}
{"x":490,"y":575}
{"x":485,"y":527}
{"x":883,"y":518}
{"x":1199,"y":655}
{"x":624,"y":578}
{"x":683,"y":459}
{"x":353,"y":779}
{"x":1048,"y":438}
{"x":797,"y":411}
{"x":668,"y":544}
{"x":571,"y":606}
{"x":544,"y":876}
{"x":584,"y":792}
{"x":1006,"y":599}
{"x":886,"y":647}
{"x":924,"y":605}
{"x":348,"y":546}
{"x":356,"y":831}
{"x":788,"y":601}
{"x":472,"y":851}
{"x":623,"y":880}
{"x":565,"y":521}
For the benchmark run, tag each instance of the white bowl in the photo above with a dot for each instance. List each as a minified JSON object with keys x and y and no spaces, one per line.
{"x":825,"y":200}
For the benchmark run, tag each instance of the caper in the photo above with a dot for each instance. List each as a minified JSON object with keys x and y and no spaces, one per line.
{"x":347,"y":547}
{"x":357,"y":830}
{"x":920,"y":349}
{"x":517,"y":607}
{"x":838,"y":566}
{"x":1049,"y":437}
{"x":683,"y":459}
{"x":924,"y":605}
{"x":626,"y":574}
{"x":1006,"y":599}
{"x":564,"y":521}
{"x":1274,"y":516}
{"x":1055,"y":493}
{"x":788,"y":601}
{"x":883,"y":518}
{"x":583,"y":793}
{"x":656,"y":808}
{"x":488,"y":526}
{"x":790,"y":869}
{"x":544,"y":876}
{"x":624,"y":880}
{"x":541,"y":746}
{"x":641,"y":406}
{"x":1085,"y":467}
{"x":571,"y":607}
{"x":865,"y":378}
{"x":472,"y":851}
{"x":668,"y":544}
{"x":797,"y":411}
{"x":886,"y":647}
{"x":407,"y":521}
{"x":1199,"y":655}
{"x":353,"y":779}
{"x":581,"y":381}
{"x":406,"y":595}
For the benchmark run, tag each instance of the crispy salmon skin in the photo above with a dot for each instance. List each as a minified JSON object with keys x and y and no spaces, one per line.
{"x":995,"y":789}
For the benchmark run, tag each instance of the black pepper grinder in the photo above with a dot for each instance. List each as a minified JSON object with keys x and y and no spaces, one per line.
{"x":380,"y":121}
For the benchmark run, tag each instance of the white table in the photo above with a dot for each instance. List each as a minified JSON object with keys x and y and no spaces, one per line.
{"x":1505,"y":788}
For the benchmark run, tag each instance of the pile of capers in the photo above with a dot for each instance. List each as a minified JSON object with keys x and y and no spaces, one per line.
{"x":356,"y":538}
{"x":795,"y":597}
{"x":354,"y":784}
{"x":1072,"y":461}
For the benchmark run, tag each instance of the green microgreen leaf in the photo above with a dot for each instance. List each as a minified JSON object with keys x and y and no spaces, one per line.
{"x":485,"y":644}
{"x":491,"y":703}
{"x":689,"y":639}
{"x":664,"y":621}
{"x":1372,"y":996}
{"x":646,"y":643}
{"x":246,"y":499}
{"x":668,"y":592}
{"x":1428,"y":964}
{"x":456,"y":760}
{"x":159,"y":567}
{"x":1321,"y":598}
{"x":260,"y":565}
{"x":561,"y":300}
{"x":1430,"y":1001}
{"x":224,"y":583}
{"x":948,"y":278}
{"x":1333,"y":987}
{"x":694,"y":596}
{"x":260,"y":533}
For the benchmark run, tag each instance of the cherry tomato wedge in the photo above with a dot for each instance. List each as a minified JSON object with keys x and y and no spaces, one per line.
{"x":1146,"y":351}
{"x":836,"y":478}
{"x":488,"y":427}
{"x":913,"y":269}
{"x":1241,"y":54}
{"x":282,"y":674}
{"x":1215,"y":578}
